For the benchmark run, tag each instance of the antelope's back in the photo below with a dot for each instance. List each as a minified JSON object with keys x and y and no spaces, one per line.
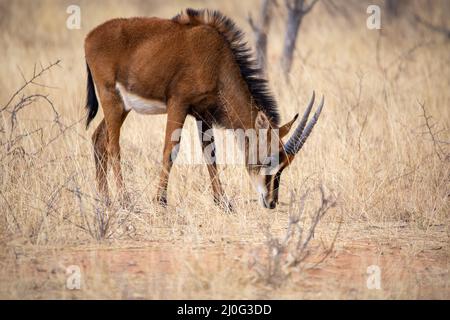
{"x":151,"y":53}
{"x":118,"y":38}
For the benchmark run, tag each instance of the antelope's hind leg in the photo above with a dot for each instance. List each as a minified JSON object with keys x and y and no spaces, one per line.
{"x":100,"y":144}
{"x":115,"y":115}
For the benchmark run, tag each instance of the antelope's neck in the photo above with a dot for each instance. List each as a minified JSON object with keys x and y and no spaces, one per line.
{"x":238,"y":108}
{"x":240,"y":116}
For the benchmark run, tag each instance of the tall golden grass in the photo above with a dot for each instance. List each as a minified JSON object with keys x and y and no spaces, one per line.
{"x":372,"y":147}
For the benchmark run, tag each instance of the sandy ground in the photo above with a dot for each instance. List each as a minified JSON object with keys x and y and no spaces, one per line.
{"x":162,"y":270}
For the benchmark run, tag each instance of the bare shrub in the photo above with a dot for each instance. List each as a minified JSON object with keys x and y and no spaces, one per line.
{"x":288,"y":254}
{"x":23,"y":150}
{"x":11,"y":138}
{"x":432,"y":131}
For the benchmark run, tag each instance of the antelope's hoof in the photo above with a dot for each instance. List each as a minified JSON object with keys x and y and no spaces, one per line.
{"x":161,"y":200}
{"x":225,"y":204}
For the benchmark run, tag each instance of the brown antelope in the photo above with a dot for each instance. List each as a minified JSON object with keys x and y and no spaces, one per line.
{"x":194,"y":64}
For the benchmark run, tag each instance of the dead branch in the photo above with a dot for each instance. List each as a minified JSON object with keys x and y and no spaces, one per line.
{"x":429,"y":127}
{"x":289,"y":253}
{"x":12,"y":138}
{"x":32,"y":80}
{"x":439,"y":29}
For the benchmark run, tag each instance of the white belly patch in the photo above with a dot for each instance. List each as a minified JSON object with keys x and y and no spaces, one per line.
{"x":139,"y":104}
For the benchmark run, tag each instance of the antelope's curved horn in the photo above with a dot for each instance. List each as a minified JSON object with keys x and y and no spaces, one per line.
{"x":305,"y":117}
{"x":298,"y":138}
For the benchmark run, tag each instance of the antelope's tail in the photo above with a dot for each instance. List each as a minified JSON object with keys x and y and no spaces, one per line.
{"x":91,"y":98}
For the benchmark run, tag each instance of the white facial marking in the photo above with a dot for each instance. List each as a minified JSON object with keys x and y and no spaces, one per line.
{"x":261,"y":188}
{"x":262,"y":192}
{"x":139,"y":104}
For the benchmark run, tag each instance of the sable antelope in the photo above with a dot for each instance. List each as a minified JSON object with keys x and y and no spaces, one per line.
{"x":194,"y":64}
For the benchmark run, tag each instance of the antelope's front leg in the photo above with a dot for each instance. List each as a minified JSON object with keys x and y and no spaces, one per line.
{"x":176,"y":115}
{"x":206,"y":136}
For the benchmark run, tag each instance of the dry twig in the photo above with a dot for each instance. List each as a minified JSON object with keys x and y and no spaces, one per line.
{"x":289,"y":253}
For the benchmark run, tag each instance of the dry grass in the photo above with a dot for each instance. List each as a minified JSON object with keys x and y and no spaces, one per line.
{"x":381,"y":145}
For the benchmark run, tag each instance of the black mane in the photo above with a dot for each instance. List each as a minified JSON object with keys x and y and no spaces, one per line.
{"x":251,"y":73}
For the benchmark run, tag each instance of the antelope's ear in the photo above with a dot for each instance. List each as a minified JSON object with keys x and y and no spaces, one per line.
{"x":262,"y":122}
{"x":284,"y":129}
